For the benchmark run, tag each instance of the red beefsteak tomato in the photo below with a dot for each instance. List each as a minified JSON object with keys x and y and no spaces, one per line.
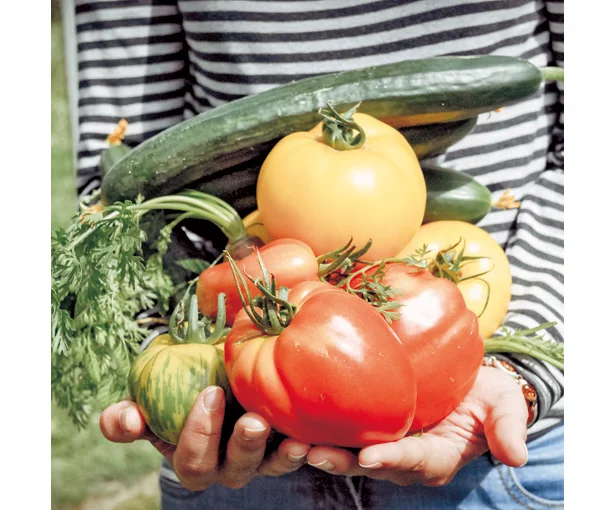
{"x":337,"y":374}
{"x":441,"y":338}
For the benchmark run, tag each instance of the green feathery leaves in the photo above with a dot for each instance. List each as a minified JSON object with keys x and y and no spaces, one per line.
{"x":100,"y":283}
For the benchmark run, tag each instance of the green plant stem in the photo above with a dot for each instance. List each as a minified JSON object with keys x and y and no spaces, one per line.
{"x":526,"y":342}
{"x":552,"y":73}
{"x":504,"y":346}
{"x":196,"y":205}
{"x":224,"y":217}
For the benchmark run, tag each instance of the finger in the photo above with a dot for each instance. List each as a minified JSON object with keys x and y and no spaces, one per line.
{"x":428,"y":459}
{"x":245,"y":451}
{"x":506,"y":429}
{"x":339,"y":461}
{"x":195,"y":460}
{"x":289,"y":456}
{"x":334,"y":460}
{"x":166,"y":449}
{"x":122,"y":422}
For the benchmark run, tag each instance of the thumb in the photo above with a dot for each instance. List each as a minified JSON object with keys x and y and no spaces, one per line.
{"x":506,"y":429}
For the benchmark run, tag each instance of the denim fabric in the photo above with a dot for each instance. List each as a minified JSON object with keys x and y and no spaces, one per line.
{"x":480,"y":485}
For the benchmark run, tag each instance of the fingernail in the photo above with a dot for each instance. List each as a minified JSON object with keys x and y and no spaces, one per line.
{"x":212,"y":399}
{"x":527,"y":455}
{"x":325,"y":465}
{"x":373,"y":465}
{"x":297,"y":458}
{"x":129,"y":419}
{"x":253,"y":428}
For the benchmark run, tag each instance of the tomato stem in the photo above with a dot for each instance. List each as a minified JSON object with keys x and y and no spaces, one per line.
{"x":194,"y":330}
{"x":341,"y":260}
{"x":370,"y":287}
{"x":276,"y":311}
{"x":449,"y":263}
{"x":338,"y":129}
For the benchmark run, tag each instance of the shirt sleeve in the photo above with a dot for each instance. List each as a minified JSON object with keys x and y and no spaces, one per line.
{"x":131,"y":60}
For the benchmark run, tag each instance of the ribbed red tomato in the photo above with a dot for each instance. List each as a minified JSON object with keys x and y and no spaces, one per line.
{"x":337,"y":374}
{"x":441,"y":338}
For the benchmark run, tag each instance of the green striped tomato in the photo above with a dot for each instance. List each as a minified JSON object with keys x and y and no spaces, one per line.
{"x":166,"y":378}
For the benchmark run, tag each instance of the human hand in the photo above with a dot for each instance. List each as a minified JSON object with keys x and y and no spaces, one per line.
{"x":493,"y":417}
{"x":196,"y":459}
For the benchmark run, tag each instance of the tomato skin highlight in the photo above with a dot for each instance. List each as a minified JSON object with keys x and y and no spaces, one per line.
{"x":291,"y":262}
{"x":337,"y":375}
{"x":441,"y":337}
{"x":323,"y":196}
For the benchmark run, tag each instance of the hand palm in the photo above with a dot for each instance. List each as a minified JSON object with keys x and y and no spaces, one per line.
{"x":492,"y":416}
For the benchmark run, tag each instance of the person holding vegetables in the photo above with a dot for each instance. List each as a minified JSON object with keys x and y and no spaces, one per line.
{"x":172,"y":60}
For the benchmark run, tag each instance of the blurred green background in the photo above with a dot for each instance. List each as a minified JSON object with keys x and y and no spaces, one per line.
{"x":87,"y":471}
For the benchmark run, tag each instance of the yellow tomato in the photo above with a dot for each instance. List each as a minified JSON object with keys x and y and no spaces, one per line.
{"x":309,"y":191}
{"x":493,"y":288}
{"x":255,"y":227}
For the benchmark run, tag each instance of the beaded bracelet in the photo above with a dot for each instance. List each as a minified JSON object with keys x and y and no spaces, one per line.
{"x":529,"y":392}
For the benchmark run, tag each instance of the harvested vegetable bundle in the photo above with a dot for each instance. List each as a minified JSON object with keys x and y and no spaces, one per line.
{"x":106,"y":268}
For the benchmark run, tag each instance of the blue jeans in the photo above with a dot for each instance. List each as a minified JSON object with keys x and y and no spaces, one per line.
{"x":480,"y":485}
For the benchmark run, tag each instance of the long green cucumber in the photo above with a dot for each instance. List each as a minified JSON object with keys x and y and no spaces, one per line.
{"x":454,"y":195}
{"x":408,"y":93}
{"x":433,"y":139}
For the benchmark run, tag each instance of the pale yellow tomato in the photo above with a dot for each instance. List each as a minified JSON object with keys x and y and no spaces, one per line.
{"x":492,"y":288}
{"x":309,"y":191}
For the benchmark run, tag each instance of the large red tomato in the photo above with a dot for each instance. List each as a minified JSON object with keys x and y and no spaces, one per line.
{"x":336,"y":374}
{"x":441,"y":338}
{"x":290,"y":260}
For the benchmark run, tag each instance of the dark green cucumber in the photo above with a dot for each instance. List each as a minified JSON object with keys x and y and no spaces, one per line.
{"x":433,"y":139}
{"x":454,"y":195}
{"x":413,"y":92}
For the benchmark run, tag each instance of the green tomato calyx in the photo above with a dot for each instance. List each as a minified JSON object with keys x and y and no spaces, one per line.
{"x":338,"y":130}
{"x":194,"y":330}
{"x":270,"y":311}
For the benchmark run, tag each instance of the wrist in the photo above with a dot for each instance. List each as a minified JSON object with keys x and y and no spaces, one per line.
{"x":529,"y":392}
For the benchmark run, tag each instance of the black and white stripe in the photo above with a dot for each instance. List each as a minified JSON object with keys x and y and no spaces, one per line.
{"x":156,"y":62}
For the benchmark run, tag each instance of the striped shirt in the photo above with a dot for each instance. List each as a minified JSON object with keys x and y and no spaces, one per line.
{"x":158,"y":62}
